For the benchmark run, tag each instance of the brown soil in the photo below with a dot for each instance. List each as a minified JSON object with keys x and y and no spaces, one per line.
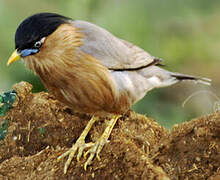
{"x":41,"y":129}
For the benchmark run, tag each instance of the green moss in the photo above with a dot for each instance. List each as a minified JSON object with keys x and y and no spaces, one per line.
{"x":3,"y":129}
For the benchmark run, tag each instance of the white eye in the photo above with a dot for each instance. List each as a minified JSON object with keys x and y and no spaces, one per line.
{"x":38,"y":44}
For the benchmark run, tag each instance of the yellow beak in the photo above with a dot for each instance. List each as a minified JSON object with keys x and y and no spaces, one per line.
{"x":14,"y":57}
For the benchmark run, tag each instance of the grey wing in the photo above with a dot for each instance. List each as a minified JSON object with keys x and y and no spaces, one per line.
{"x":112,"y":51}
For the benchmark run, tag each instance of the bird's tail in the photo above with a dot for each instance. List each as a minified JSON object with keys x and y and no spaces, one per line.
{"x":184,"y":77}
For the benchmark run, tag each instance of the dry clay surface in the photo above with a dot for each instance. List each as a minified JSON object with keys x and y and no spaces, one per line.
{"x":40,"y":129}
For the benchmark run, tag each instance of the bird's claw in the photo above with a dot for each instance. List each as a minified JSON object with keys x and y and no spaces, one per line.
{"x":94,"y":151}
{"x":80,"y":145}
{"x":81,"y":149}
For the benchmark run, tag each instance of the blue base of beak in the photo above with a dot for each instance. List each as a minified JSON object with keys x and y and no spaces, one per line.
{"x":27,"y":52}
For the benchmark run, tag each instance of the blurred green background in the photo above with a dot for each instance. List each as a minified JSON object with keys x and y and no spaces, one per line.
{"x":186,"y":34}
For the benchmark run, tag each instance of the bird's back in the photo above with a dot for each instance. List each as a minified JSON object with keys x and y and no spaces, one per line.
{"x":113,"y":52}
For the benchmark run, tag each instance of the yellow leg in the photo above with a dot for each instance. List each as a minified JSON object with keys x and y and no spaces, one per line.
{"x":98,"y":145}
{"x":80,"y":145}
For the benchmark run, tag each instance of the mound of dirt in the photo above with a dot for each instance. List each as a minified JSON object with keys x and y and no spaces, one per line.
{"x":192,"y":150}
{"x":41,"y":128}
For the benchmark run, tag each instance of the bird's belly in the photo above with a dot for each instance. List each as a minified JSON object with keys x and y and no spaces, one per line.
{"x":91,"y":95}
{"x":98,"y":101}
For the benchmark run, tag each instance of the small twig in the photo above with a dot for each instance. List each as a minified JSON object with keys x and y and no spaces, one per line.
{"x":194,"y":168}
{"x":29,"y":131}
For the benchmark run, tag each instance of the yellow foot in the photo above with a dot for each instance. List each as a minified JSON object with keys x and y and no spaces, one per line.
{"x":94,"y":150}
{"x":98,"y":145}
{"x":80,"y":145}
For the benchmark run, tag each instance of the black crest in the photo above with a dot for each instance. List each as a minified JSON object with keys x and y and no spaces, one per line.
{"x":36,"y":27}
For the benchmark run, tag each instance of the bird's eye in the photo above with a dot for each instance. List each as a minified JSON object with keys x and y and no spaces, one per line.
{"x":38,"y":44}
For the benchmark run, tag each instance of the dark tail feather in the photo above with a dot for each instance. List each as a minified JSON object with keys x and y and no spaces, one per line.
{"x":183,"y":77}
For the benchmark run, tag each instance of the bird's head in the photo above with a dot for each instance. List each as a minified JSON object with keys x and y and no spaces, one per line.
{"x":32,"y":32}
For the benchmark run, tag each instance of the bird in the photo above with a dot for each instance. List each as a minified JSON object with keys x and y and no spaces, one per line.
{"x":91,"y":71}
